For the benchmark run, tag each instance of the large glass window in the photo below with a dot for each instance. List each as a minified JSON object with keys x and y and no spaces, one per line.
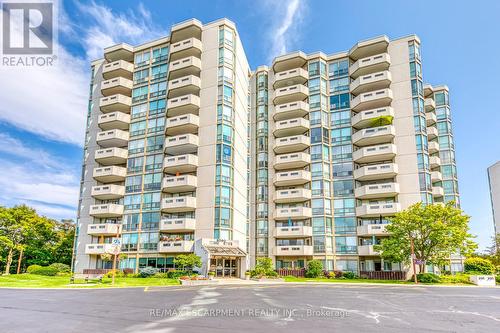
{"x":338,"y":68}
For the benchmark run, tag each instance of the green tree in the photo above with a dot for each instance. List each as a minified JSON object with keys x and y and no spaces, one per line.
{"x":264,"y":267}
{"x":478,"y":265}
{"x":187,"y":260}
{"x":314,"y":269}
{"x":438,"y":231}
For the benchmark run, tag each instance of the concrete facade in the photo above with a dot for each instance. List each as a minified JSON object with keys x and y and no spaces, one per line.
{"x":494,"y":181}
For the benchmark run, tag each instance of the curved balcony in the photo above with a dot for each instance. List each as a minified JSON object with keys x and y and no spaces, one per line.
{"x":369,"y":82}
{"x":429,"y":104}
{"x":436,"y":176}
{"x":118,"y":85}
{"x":432,"y":133}
{"x":181,"y":246}
{"x":175,"y":184}
{"x":430,"y":118}
{"x":111,"y":156}
{"x":109,"y":174}
{"x":291,"y":144}
{"x":103,"y":229}
{"x":181,"y":144}
{"x":119,"y":51}
{"x":106,"y":210}
{"x":292,"y":195}
{"x":437,"y":191}
{"x":112,"y":138}
{"x":289,"y":61}
{"x":290,"y":127}
{"x":185,"y":85}
{"x":376,"y":63}
{"x":178,"y":204}
{"x":292,"y":178}
{"x":289,"y":94}
{"x":433,"y":147}
{"x":374,"y":153}
{"x":434,"y":161}
{"x":367,"y":250}
{"x":91,"y":249}
{"x":374,"y":135}
{"x":108,"y":192}
{"x":379,"y":209}
{"x":376,"y":172}
{"x":112,"y":120}
{"x":190,"y":47}
{"x":184,"y":67}
{"x":291,"y":161}
{"x":373,"y":191}
{"x":116,"y":102}
{"x":178,"y":225}
{"x":290,"y":110}
{"x":299,"y":231}
{"x":372,"y":230}
{"x":187,"y":123}
{"x":119,"y":68}
{"x":181,"y":105}
{"x":186,"y":29}
{"x":180,"y":163}
{"x":368,"y":118}
{"x":294,"y":213}
{"x":372,"y":100}
{"x":290,"y":77}
{"x":293,"y":250}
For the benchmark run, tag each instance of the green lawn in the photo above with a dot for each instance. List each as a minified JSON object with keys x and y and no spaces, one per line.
{"x":39,"y":281}
{"x":294,"y":279}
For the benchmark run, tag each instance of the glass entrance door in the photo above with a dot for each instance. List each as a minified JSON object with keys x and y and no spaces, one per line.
{"x":224,"y":267}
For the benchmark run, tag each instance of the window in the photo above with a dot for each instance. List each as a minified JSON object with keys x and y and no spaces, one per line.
{"x":150,"y":220}
{"x":341,"y":135}
{"x":337,"y":85}
{"x":157,"y":106}
{"x":224,"y":112}
{"x":314,"y":68}
{"x":132,"y":202}
{"x":149,"y":240}
{"x":226,"y":74}
{"x":346,"y":245}
{"x":130,"y":222}
{"x":345,"y":225}
{"x":226,"y":36}
{"x":138,"y":128}
{"x":225,"y":94}
{"x":134,"y":164}
{"x":224,"y":133}
{"x":338,"y":68}
{"x":133,"y":184}
{"x":343,"y":207}
{"x":158,"y":89}
{"x":441,"y":98}
{"x":142,"y":58}
{"x":339,"y":101}
{"x":141,"y":76}
{"x":156,"y":125}
{"x":224,"y":153}
{"x":223,"y":195}
{"x":136,"y":146}
{"x":340,"y":153}
{"x":342,"y":170}
{"x":154,"y":162}
{"x":129,"y":242}
{"x":151,"y":201}
{"x":152,"y":181}
{"x":160,"y":54}
{"x":225,"y":56}
{"x":139,"y":94}
{"x":222,"y":217}
{"x":314,"y":85}
{"x":159,"y":72}
{"x":155,"y":143}
{"x":343,"y":188}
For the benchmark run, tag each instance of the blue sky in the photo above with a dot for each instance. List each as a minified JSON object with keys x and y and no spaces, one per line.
{"x":42,"y":128}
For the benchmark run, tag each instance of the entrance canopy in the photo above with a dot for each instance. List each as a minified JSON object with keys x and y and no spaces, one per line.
{"x":221,"y":250}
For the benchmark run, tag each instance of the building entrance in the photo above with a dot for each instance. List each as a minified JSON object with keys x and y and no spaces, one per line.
{"x":225,"y":267}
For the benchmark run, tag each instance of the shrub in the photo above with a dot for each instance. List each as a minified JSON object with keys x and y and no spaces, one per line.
{"x":457,"y":278}
{"x":175,"y":274}
{"x":118,"y":273}
{"x":428,"y":278}
{"x":44,"y":270}
{"x":331,"y":275}
{"x":314,"y":269}
{"x":349,"y":275}
{"x":161,"y":275}
{"x":497,"y":279}
{"x":147,"y":272}
{"x":478,"y":265}
{"x":61,"y":268}
{"x":32,"y":268}
{"x":263,"y":267}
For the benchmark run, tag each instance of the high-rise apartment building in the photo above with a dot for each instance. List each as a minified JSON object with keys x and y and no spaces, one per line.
{"x":187,"y":150}
{"x":494,"y":182}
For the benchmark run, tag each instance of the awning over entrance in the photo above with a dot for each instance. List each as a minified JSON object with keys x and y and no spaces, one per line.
{"x":221,"y":250}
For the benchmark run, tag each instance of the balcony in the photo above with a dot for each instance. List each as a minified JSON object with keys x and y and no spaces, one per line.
{"x":118,"y":85}
{"x":374,"y":135}
{"x":112,"y":120}
{"x":289,"y":62}
{"x":291,"y":144}
{"x":180,"y":163}
{"x":112,"y":138}
{"x":376,"y":63}
{"x":437,"y":191}
{"x":376,"y":210}
{"x":434,"y":161}
{"x":372,"y":230}
{"x":299,"y":231}
{"x":184,"y":67}
{"x":293,"y":250}
{"x":368,"y":118}
{"x":429,"y":104}
{"x":109,"y":174}
{"x":175,"y":184}
{"x":187,"y":123}
{"x":290,"y":77}
{"x":294,"y":213}
{"x":291,"y":161}
{"x":432,"y":133}
{"x":290,"y":127}
{"x":178,"y":225}
{"x":178,"y":204}
{"x":181,"y":105}
{"x":181,"y":246}
{"x":292,"y":195}
{"x":367,"y":250}
{"x":185,"y":85}
{"x":376,"y":172}
{"x":377,"y":191}
{"x":98,"y":248}
{"x":372,"y":100}
{"x":119,"y":51}
{"x":433,"y":147}
{"x":436,"y":176}
{"x":106,"y":210}
{"x":120,"y":68}
{"x":292,"y":178}
{"x":108,"y":192}
{"x":111,"y":156}
{"x":289,"y":94}
{"x":186,"y":29}
{"x":370,"y":82}
{"x":374,"y":153}
{"x":181,"y":144}
{"x":116,"y":102}
{"x":430,"y":118}
{"x":290,"y":110}
{"x":190,"y":47}
{"x":103,"y":229}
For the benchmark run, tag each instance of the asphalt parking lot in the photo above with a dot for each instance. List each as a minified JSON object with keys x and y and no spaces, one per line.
{"x":258,"y":308}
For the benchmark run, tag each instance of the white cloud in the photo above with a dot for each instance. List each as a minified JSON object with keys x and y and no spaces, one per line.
{"x":52,"y":101}
{"x":285,"y":32}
